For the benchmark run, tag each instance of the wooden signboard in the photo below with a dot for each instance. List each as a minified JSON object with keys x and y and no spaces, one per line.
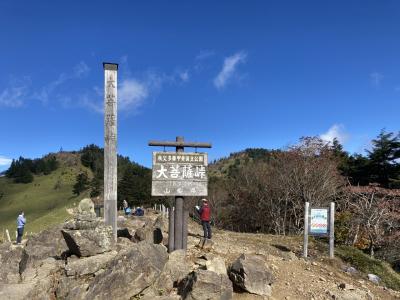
{"x":179,"y":174}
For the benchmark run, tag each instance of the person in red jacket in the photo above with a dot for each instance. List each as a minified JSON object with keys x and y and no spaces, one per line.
{"x":205,"y":213}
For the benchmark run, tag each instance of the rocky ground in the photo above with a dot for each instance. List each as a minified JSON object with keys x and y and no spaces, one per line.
{"x":79,"y":260}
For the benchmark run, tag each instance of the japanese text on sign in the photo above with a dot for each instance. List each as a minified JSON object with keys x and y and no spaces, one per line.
{"x":319,"y":221}
{"x":179,"y":174}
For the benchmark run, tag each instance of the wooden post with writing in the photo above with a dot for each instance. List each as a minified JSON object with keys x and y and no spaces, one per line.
{"x":178,"y":217}
{"x":110,"y":146}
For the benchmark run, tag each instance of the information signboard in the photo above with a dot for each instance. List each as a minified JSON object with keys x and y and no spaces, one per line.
{"x":319,"y":221}
{"x":179,"y":174}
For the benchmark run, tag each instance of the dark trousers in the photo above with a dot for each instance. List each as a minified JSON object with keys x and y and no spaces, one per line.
{"x":20,"y":234}
{"x":206,"y":229}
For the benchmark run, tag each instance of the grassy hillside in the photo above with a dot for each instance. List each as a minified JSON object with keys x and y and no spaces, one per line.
{"x":44,"y":200}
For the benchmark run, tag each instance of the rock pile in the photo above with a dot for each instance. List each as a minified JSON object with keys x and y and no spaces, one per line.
{"x":86,"y":235}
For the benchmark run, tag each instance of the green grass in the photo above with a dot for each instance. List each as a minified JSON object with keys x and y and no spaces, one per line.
{"x":367,"y":264}
{"x":43,"y":205}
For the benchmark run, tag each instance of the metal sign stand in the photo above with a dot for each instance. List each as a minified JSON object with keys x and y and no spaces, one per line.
{"x":178,"y":219}
{"x":331,"y":229}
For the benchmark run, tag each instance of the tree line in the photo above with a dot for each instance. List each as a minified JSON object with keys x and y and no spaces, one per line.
{"x":261,"y":190}
{"x":134,"y":181}
{"x":22,"y":169}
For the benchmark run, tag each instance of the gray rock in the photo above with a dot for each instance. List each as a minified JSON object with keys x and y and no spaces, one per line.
{"x":217,"y":265}
{"x":350,"y":270}
{"x":206,"y":244}
{"x":204,"y":285}
{"x":129,"y":273}
{"x":250,"y":274}
{"x":70,"y":288}
{"x":10,"y":257}
{"x":150,"y":232}
{"x":88,"y":265}
{"x":86,"y":206}
{"x":175,"y":270}
{"x":46,"y":244}
{"x":89,"y":242}
{"x":83,"y":222}
{"x":374,"y":278}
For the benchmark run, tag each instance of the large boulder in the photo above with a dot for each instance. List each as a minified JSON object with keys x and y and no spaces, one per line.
{"x":88,"y":265}
{"x":205,"y":285}
{"x":175,"y":270}
{"x":69,"y":288}
{"x":249,"y":273}
{"x":48,"y":243}
{"x":10,"y":258}
{"x":89,"y":242}
{"x":151,"y":232}
{"x":217,"y":265}
{"x":129,"y":273}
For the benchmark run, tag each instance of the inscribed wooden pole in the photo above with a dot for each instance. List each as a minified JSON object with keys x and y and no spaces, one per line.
{"x":332,"y":230}
{"x":110,"y":146}
{"x":305,"y":241}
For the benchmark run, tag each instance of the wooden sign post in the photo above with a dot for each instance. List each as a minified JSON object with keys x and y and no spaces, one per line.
{"x":179,"y":174}
{"x":110,"y":146}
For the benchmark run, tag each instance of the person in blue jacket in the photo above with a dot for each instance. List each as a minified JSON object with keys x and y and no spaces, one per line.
{"x":20,"y":226}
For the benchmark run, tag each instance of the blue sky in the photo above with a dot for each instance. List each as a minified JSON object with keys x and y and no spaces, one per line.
{"x":238,"y":74}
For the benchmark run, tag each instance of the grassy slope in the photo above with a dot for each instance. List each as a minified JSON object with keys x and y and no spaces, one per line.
{"x":43,"y":204}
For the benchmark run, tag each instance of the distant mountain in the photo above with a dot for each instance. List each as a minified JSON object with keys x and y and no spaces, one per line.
{"x":47,"y":197}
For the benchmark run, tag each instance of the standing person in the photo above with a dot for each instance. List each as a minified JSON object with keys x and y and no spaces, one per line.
{"x":125,"y":204}
{"x":205,"y":213}
{"x":20,"y":226}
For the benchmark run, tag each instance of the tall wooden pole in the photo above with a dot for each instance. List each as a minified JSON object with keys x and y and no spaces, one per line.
{"x":332,"y":230}
{"x":178,"y":210}
{"x":185,"y":217}
{"x":110,"y":146}
{"x":305,"y":240}
{"x":171,"y":229}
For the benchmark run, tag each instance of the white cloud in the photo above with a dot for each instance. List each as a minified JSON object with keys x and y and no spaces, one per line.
{"x":5,"y":161}
{"x":131,"y":94}
{"x":229,"y":69}
{"x":335,"y":131}
{"x":184,"y":76}
{"x":44,"y":94}
{"x":92,"y":104}
{"x":13,"y":97}
{"x":376,"y":78}
{"x":204,"y":54}
{"x":81,"y":70}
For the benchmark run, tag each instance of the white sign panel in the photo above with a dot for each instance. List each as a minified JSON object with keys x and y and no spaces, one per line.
{"x":179,"y":174}
{"x":319,"y":221}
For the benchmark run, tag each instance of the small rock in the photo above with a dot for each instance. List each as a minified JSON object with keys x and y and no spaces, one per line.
{"x":204,"y":285}
{"x":346,"y":286}
{"x":250,"y":274}
{"x":374,"y":278}
{"x":216,"y":265}
{"x":322,"y":279}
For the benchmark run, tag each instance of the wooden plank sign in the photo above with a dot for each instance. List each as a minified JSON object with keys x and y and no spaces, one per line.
{"x":179,"y":174}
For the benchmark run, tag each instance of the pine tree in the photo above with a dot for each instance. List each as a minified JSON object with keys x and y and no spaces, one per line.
{"x":81,"y":183}
{"x":384,"y":156}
